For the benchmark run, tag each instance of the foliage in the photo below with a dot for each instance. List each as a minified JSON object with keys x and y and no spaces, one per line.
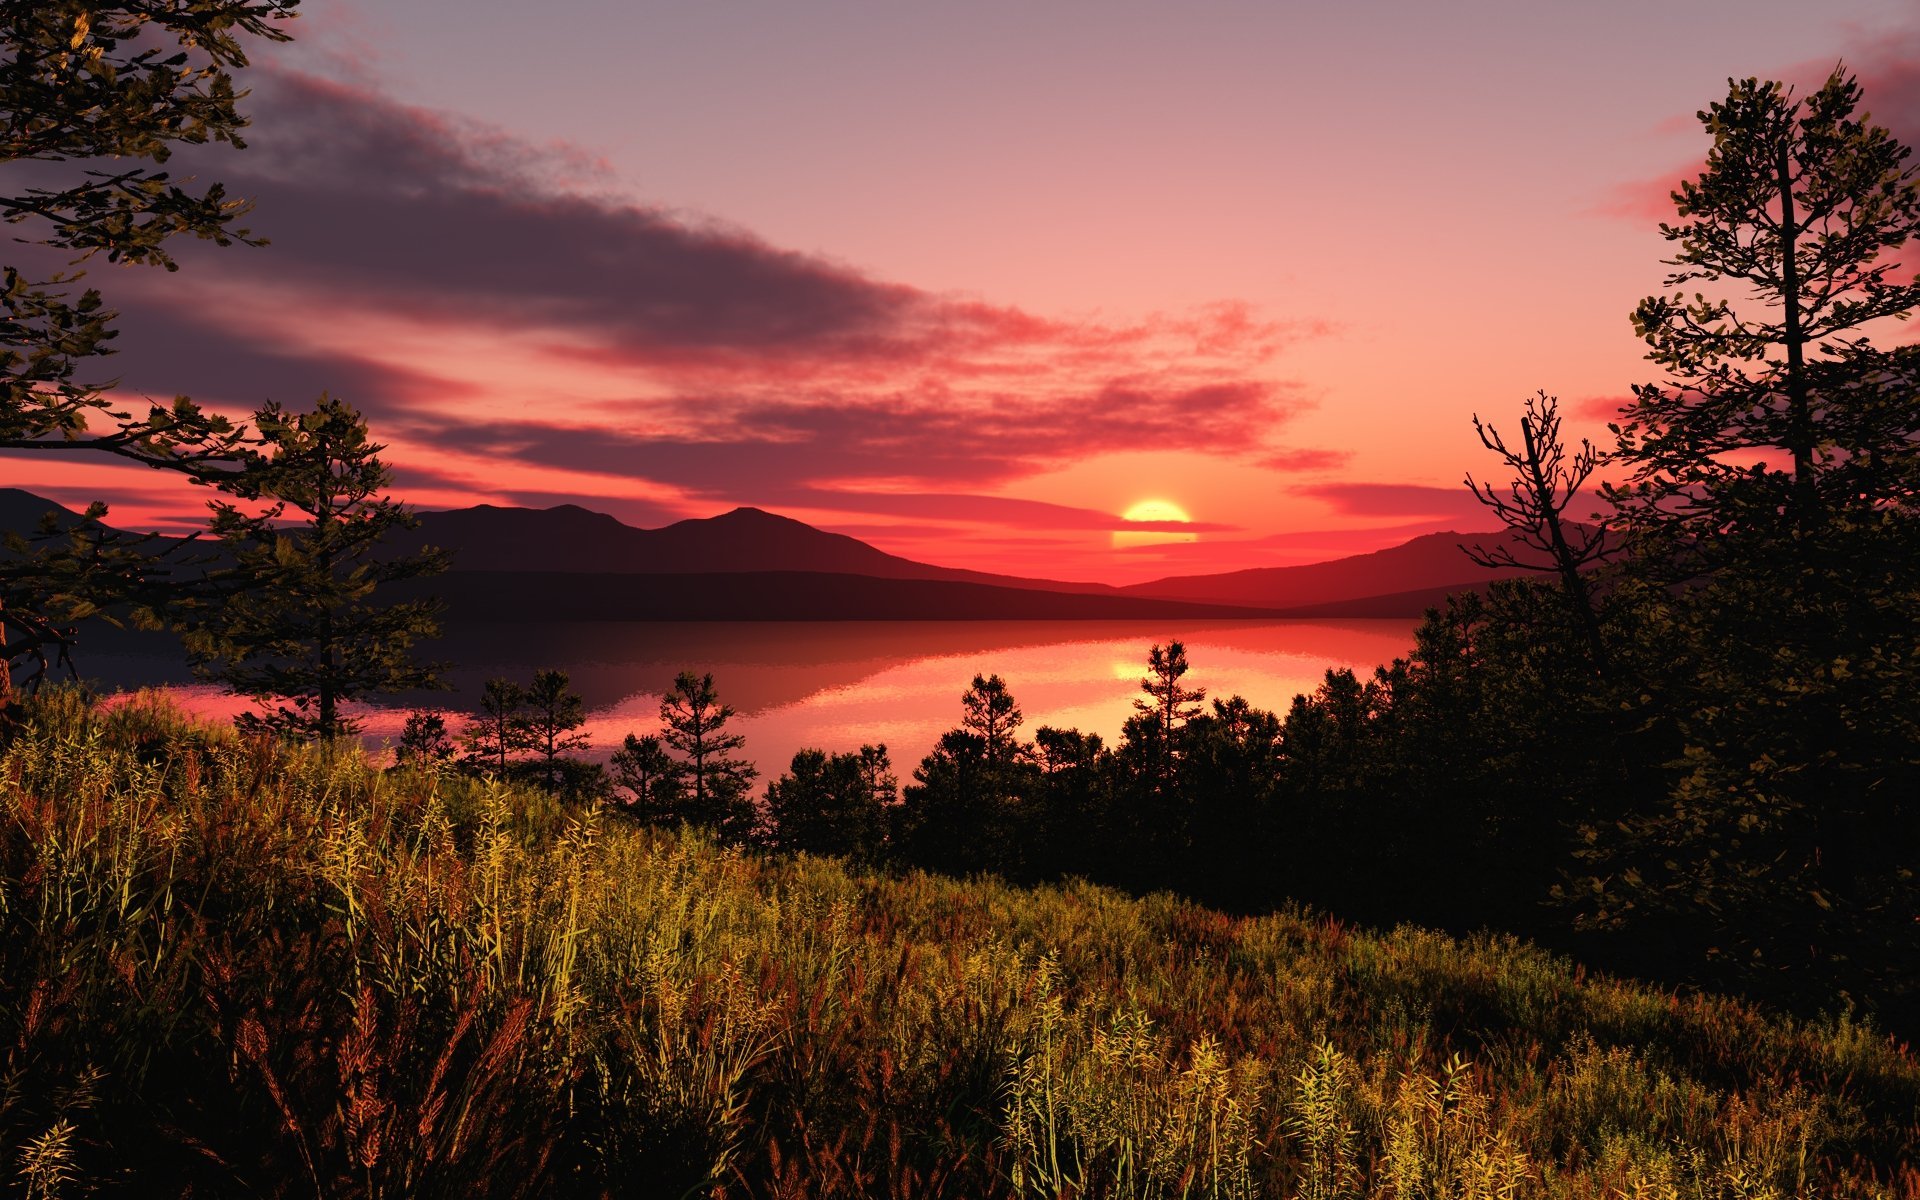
{"x":110,"y":89}
{"x":839,"y":804}
{"x":425,"y":740}
{"x":641,"y":769}
{"x":498,"y":731}
{"x":1774,"y":570}
{"x":552,"y":712}
{"x":244,"y":968}
{"x":1803,"y":205}
{"x":300,"y":630}
{"x":710,"y":782}
{"x":958,"y":814}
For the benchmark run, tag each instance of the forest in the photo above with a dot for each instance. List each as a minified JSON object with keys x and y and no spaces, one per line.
{"x":252,"y":960}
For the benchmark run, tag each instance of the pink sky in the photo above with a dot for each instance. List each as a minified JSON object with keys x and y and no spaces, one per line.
{"x":965,"y":282}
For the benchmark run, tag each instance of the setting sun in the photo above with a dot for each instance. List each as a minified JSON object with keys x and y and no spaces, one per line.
{"x":1162,"y":512}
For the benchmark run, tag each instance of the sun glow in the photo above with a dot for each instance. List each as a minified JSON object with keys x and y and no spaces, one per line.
{"x":1162,"y":511}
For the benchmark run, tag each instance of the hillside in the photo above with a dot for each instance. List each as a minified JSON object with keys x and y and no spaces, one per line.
{"x":1396,"y":577}
{"x":574,"y":539}
{"x":569,"y":563}
{"x":267,"y":972}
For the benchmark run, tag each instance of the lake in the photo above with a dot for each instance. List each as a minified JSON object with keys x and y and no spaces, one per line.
{"x":836,"y":685}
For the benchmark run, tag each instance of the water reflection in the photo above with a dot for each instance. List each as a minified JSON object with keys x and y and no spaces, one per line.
{"x":836,"y":685}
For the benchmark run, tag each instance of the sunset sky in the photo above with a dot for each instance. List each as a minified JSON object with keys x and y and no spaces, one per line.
{"x":967,"y":281}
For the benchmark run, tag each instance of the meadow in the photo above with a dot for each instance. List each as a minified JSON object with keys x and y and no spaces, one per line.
{"x":240,"y":967}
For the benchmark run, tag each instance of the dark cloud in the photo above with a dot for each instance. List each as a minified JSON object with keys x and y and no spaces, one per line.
{"x":770,"y":449}
{"x":756,"y":372}
{"x":1398,"y":500}
{"x":376,"y":203}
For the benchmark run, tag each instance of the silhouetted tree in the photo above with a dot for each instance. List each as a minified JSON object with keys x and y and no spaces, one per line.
{"x":641,"y":769}
{"x":552,"y":711}
{"x":1773,"y":571}
{"x":424,"y":740}
{"x":1065,"y":830}
{"x":1544,"y":483}
{"x":1801,"y":205}
{"x":303,"y":633}
{"x":959,"y":814}
{"x":992,"y":716}
{"x":110,"y":89}
{"x":1230,"y":766}
{"x":833,"y":804}
{"x":498,"y":731}
{"x":713,"y":782}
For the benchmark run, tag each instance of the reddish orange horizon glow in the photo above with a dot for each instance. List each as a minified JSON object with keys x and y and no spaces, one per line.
{"x":974,"y":285}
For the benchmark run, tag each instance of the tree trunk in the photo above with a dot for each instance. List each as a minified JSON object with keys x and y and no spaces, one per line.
{"x":6,"y":661}
{"x":1799,"y":415}
{"x":1571,"y":580}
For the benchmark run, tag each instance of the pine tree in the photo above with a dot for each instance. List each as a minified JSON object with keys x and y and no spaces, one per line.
{"x":713,"y":782}
{"x":498,"y":732}
{"x":110,"y":89}
{"x":1168,"y":705}
{"x":425,"y":740}
{"x":301,"y":632}
{"x":991,"y":714}
{"x":833,"y":804}
{"x":1799,"y":213}
{"x":551,"y":712}
{"x":641,"y":769}
{"x":1773,"y":566}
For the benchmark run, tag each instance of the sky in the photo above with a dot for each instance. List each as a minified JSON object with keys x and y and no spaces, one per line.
{"x":969,"y":282}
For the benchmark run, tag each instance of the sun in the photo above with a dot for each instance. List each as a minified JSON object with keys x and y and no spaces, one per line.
{"x":1153,"y":510}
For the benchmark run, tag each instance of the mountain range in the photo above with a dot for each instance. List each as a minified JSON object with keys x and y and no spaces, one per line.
{"x":570,"y":563}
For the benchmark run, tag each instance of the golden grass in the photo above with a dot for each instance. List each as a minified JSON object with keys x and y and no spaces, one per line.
{"x":231,"y":968}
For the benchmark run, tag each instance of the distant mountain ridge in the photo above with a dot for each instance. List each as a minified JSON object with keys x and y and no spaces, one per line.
{"x":571,"y":563}
{"x":575,"y":539}
{"x":1430,"y":565}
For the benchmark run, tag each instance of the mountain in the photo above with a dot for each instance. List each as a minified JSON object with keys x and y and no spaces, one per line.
{"x":20,"y":512}
{"x":1400,"y":580}
{"x":574,"y":539}
{"x":570,"y":563}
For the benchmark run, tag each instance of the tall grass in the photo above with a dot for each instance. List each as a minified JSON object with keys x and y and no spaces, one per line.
{"x":234,"y":968}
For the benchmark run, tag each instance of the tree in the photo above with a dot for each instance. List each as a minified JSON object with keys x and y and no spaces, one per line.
{"x":992,"y":716}
{"x":1801,"y":206}
{"x":713,"y":782}
{"x":642,"y":769}
{"x":959,"y":814}
{"x":424,"y":740}
{"x":69,"y":570}
{"x":1168,"y":705}
{"x":833,"y":804}
{"x":1770,"y":517}
{"x":301,"y":631}
{"x":1544,"y":483}
{"x":116,"y":86}
{"x":499,"y":731}
{"x":551,"y":712}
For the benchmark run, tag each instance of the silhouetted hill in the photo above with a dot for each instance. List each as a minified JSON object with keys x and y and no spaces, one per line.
{"x":539,"y":596}
{"x":573,"y":539}
{"x":20,"y":511}
{"x":1402,"y":580}
{"x":570,"y":563}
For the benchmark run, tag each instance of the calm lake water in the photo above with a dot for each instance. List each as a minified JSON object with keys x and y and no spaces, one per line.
{"x":836,"y":685}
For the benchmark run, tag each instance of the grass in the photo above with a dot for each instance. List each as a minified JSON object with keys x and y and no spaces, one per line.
{"x":237,"y":969}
